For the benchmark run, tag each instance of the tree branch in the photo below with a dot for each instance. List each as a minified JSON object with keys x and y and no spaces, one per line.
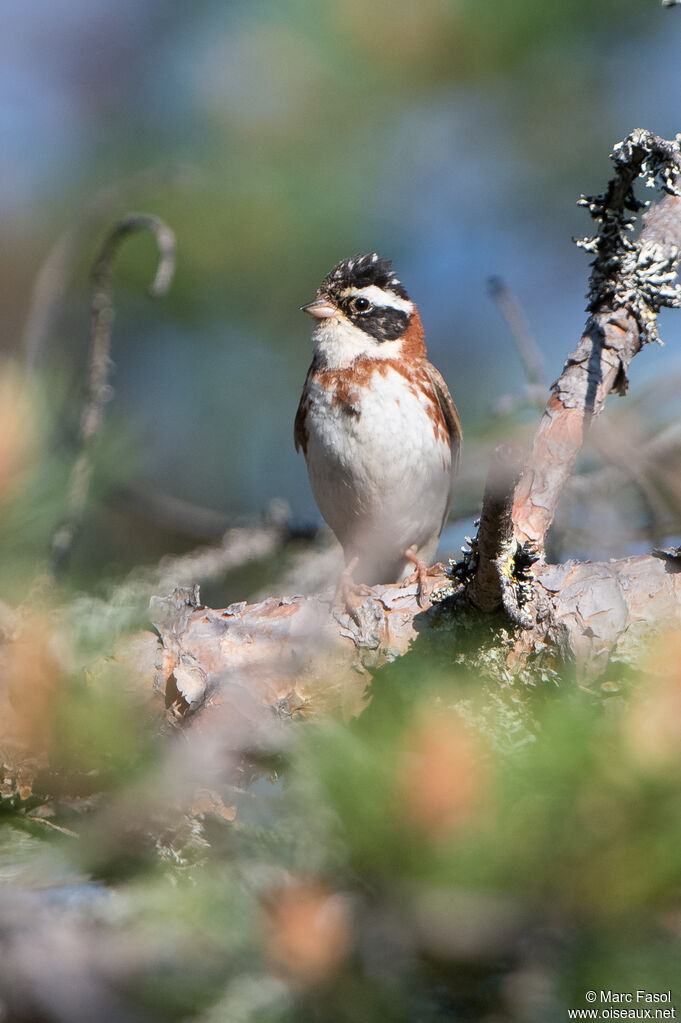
{"x":630,"y":282}
{"x":491,"y":586}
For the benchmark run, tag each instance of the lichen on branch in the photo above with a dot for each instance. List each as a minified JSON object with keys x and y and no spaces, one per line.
{"x":631,"y":280}
{"x":636,"y":274}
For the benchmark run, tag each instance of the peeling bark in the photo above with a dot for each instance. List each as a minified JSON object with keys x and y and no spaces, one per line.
{"x":296,"y":656}
{"x":289,"y":655}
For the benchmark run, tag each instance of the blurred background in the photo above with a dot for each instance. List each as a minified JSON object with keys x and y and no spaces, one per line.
{"x":276,"y":138}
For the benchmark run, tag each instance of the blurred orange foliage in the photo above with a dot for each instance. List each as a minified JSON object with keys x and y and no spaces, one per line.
{"x":309,"y":931}
{"x":442,"y":774}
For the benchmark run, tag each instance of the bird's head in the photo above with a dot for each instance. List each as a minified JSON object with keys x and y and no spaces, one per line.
{"x":363,"y":311}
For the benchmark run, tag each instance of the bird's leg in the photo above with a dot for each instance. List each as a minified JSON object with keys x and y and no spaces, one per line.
{"x":420,"y":575}
{"x":349,"y":594}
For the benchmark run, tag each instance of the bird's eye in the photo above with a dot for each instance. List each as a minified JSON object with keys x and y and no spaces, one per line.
{"x":361,"y":305}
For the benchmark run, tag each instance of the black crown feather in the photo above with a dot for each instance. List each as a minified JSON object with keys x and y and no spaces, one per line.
{"x":361,"y":272}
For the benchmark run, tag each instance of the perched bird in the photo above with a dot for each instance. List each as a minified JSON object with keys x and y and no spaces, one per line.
{"x":376,"y":423}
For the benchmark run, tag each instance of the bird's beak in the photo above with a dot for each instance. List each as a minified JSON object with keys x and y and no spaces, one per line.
{"x":322,"y":308}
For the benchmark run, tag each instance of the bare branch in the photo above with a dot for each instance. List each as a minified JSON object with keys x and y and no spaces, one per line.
{"x":635,"y":468}
{"x":239,"y":547}
{"x":531,"y":394}
{"x":99,"y":392}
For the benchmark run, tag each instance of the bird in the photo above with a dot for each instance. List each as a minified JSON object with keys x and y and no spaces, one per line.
{"x":377,"y":425}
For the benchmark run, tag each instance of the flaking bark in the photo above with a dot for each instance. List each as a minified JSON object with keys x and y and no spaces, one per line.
{"x":251,"y":665}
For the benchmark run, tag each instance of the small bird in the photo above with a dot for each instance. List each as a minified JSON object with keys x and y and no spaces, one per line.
{"x":378,"y":428}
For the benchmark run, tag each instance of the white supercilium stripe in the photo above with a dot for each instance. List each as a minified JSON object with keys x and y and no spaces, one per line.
{"x":379,"y":297}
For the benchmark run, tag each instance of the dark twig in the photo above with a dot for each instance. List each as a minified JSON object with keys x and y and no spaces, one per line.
{"x":177,"y":515}
{"x":99,"y":392}
{"x":519,"y":325}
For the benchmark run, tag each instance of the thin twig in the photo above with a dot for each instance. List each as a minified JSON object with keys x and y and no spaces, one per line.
{"x":641,"y":465}
{"x":308,"y":570}
{"x":99,"y":392}
{"x":171,"y":513}
{"x":239,"y":547}
{"x":53,"y":276}
{"x":519,"y":325}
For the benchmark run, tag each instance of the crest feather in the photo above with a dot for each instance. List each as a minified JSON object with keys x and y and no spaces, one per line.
{"x":361,"y":272}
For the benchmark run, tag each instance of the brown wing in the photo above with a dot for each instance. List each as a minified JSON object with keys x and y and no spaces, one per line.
{"x":448,"y":409}
{"x":299,"y":428}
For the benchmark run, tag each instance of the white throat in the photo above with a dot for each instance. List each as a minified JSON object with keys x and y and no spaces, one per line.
{"x":340,"y":343}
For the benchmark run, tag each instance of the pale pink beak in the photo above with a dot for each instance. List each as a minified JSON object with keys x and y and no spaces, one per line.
{"x":322,"y":308}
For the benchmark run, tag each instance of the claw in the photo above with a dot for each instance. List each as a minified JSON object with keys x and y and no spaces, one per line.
{"x":420,"y":576}
{"x":349,"y":594}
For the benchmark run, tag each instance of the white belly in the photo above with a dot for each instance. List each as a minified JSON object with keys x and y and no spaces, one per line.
{"x":379,"y":473}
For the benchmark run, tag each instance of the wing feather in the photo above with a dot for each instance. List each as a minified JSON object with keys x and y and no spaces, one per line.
{"x":299,"y":430}
{"x":449,"y":413}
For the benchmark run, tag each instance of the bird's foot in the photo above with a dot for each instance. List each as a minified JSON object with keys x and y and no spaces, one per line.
{"x":349,"y":594}
{"x":420,"y":576}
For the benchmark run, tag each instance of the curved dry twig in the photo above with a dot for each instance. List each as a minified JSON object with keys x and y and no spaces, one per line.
{"x":54,"y":274}
{"x":99,"y":391}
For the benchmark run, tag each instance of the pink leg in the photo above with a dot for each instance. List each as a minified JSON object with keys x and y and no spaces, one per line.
{"x":349,"y":594}
{"x":420,"y":575}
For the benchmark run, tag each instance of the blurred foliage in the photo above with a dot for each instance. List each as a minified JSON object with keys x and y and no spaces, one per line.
{"x":462,"y":850}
